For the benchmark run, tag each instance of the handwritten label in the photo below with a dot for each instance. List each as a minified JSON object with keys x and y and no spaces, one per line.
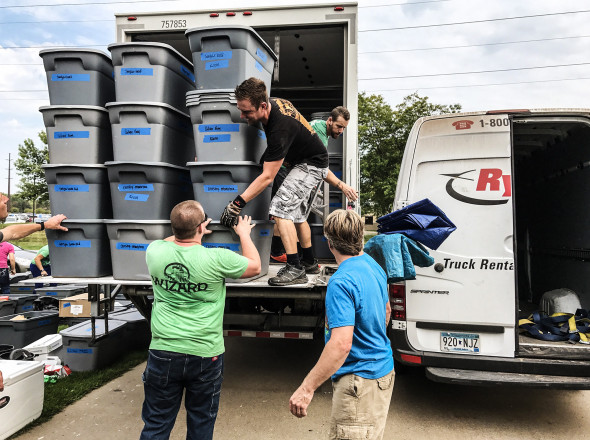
{"x":231,"y":246}
{"x":71,"y":135}
{"x":220,"y":55}
{"x":130,"y":131}
{"x":261,"y":54}
{"x":212,"y":65}
{"x":137,"y":71}
{"x":217,"y":138}
{"x":137,"y":197}
{"x":70,"y":77}
{"x":187,"y":73}
{"x":80,"y":350}
{"x":132,"y":246}
{"x":221,"y":188}
{"x":136,"y":187}
{"x":258,"y":66}
{"x":208,"y":128}
{"x":51,"y":293}
{"x":72,"y":243}
{"x":71,"y":188}
{"x":265,"y":233}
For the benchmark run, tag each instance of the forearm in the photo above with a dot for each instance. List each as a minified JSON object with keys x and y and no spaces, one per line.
{"x":256,"y":187}
{"x":249,"y":249}
{"x":333,"y":180}
{"x":14,"y":232}
{"x":12,"y":263}
{"x":331,"y":359}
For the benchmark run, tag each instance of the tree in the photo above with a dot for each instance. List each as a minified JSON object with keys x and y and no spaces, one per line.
{"x":28,"y":166}
{"x":383,"y":132}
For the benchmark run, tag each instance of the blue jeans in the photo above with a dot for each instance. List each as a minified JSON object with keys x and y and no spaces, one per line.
{"x":37,"y":273}
{"x":166,"y":376}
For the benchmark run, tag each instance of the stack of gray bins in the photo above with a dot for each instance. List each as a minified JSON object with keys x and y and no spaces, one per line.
{"x":80,"y":83}
{"x":332,"y":199}
{"x":152,"y":142}
{"x":227,"y":149}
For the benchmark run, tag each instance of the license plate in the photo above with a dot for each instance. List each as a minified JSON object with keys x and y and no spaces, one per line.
{"x":459,"y":342}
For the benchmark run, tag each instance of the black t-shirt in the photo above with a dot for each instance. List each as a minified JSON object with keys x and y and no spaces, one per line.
{"x":289,"y":136}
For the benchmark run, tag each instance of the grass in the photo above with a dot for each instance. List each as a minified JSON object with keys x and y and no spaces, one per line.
{"x":77,"y":385}
{"x":34,"y":241}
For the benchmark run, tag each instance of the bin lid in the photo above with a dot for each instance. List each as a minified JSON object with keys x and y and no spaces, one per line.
{"x":129,"y":315}
{"x":73,"y":165}
{"x":15,"y":371}
{"x":137,"y":222}
{"x":144,"y":164}
{"x":226,"y":164}
{"x":48,"y":108}
{"x":65,"y":287}
{"x":114,"y":105}
{"x":130,"y":45}
{"x":84,"y":329}
{"x":65,"y":50}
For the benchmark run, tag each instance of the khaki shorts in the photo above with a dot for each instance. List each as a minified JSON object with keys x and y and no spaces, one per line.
{"x":360,"y":407}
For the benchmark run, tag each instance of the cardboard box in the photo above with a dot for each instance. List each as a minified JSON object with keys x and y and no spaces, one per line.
{"x":77,"y":306}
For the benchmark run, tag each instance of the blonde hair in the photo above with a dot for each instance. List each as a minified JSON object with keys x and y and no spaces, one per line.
{"x":344,"y":230}
{"x":185,"y":218}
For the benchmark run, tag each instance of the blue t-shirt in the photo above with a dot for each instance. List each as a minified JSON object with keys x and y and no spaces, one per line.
{"x":357,"y":296}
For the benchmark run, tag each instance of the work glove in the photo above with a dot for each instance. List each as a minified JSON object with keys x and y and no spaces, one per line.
{"x":229,"y":217}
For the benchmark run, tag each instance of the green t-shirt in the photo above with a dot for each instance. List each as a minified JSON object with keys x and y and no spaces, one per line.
{"x":45,"y":261}
{"x":321,"y":128}
{"x":189,"y":296}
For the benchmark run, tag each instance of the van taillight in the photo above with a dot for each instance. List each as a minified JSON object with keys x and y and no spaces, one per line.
{"x":397,"y":298}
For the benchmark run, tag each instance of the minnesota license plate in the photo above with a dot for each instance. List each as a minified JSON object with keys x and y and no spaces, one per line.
{"x":459,"y":342}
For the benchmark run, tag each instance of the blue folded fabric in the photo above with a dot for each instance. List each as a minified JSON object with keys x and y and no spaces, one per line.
{"x":397,"y":255}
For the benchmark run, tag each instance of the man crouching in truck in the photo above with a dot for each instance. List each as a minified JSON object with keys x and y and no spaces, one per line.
{"x":186,"y":352}
{"x":291,"y":142}
{"x":357,"y":354}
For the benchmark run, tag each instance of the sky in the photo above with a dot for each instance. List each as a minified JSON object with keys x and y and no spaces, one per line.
{"x":481,"y":54}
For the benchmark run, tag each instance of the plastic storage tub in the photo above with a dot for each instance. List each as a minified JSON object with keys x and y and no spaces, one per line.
{"x":336,"y":200}
{"x":46,"y":346}
{"x":79,"y":191}
{"x":219,"y":132}
{"x":129,"y":241}
{"x":150,"y":132}
{"x":22,"y":288}
{"x":21,"y":402}
{"x":217,"y":183}
{"x":81,"y":354}
{"x":137,"y":331}
{"x":77,"y":134}
{"x":82,"y":251}
{"x":61,"y":291}
{"x":7,"y":307}
{"x":78,"y":76}
{"x":335,"y":165}
{"x":147,"y":190}
{"x":33,"y":327}
{"x":153,"y":72}
{"x":261,"y":234}
{"x":320,"y":243}
{"x":24,"y":301}
{"x":224,"y":56}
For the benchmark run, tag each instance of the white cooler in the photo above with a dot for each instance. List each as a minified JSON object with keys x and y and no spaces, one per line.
{"x":21,"y":402}
{"x":46,"y":346}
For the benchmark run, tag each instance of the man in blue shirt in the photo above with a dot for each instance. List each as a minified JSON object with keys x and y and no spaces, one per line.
{"x":358,"y":353}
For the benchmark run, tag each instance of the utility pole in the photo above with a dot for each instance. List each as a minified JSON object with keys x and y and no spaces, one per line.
{"x":9,"y":202}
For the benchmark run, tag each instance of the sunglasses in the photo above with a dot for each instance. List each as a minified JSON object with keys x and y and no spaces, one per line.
{"x":206,"y":217}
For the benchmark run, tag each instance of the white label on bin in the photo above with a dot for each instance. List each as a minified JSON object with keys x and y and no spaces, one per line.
{"x":231,"y":246}
{"x":210,"y":138}
{"x":71,"y":135}
{"x":219,"y":55}
{"x":77,"y":309}
{"x":71,"y":188}
{"x":212,"y":65}
{"x":139,"y":71}
{"x":137,"y":197}
{"x":258,"y":66}
{"x":132,"y":246}
{"x":72,"y":243}
{"x":261,"y":54}
{"x":221,"y":188}
{"x":70,"y":77}
{"x":187,"y":73}
{"x":136,"y":187}
{"x":131,"y":131}
{"x":208,"y":128}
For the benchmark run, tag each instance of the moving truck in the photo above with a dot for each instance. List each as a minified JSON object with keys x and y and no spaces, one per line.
{"x":516,"y":184}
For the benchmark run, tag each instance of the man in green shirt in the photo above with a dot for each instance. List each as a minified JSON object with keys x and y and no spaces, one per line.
{"x":186,"y":352}
{"x":334,"y":126}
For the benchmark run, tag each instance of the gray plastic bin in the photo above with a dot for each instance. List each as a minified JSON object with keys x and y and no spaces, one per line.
{"x":21,"y":288}
{"x":320,"y":243}
{"x":79,"y":191}
{"x":78,"y":76}
{"x":153,"y":72}
{"x":150,"y":132}
{"x":224,"y":56}
{"x":24,"y":302}
{"x":336,"y":200}
{"x":23,"y":332}
{"x":78,"y":134}
{"x":147,"y":190}
{"x":7,"y":307}
{"x":81,"y":354}
{"x":82,"y":251}
{"x":61,"y":291}
{"x":137,"y":331}
{"x":335,"y":146}
{"x":335,"y":165}
{"x":129,"y":241}
{"x":217,"y":183}
{"x":225,"y":238}
{"x":219,"y":132}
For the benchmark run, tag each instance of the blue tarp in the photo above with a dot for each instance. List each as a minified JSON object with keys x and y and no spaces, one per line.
{"x":398,"y":255}
{"x":422,"y":221}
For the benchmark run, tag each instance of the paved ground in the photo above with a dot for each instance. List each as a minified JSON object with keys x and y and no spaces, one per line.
{"x":261,"y":375}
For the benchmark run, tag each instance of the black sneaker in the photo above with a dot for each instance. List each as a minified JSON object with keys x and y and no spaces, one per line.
{"x":288,"y":275}
{"x":311,"y":268}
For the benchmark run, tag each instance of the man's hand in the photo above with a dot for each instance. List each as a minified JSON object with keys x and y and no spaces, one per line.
{"x":299,"y":401}
{"x":55,"y":222}
{"x":348,"y":191}
{"x":230,"y":215}
{"x":244,"y":227}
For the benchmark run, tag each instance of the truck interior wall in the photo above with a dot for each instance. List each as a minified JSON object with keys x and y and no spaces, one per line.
{"x":551,"y":205}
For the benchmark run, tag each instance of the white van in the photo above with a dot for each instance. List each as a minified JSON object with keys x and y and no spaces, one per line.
{"x":517,"y":186}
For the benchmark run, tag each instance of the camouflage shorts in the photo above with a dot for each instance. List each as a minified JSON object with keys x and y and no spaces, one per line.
{"x":294,"y":197}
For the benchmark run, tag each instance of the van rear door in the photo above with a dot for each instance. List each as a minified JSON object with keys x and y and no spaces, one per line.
{"x":465,"y":304}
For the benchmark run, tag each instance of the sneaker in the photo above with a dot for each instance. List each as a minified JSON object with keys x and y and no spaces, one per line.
{"x":288,"y":275}
{"x":279,"y":258}
{"x":311,"y":268}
